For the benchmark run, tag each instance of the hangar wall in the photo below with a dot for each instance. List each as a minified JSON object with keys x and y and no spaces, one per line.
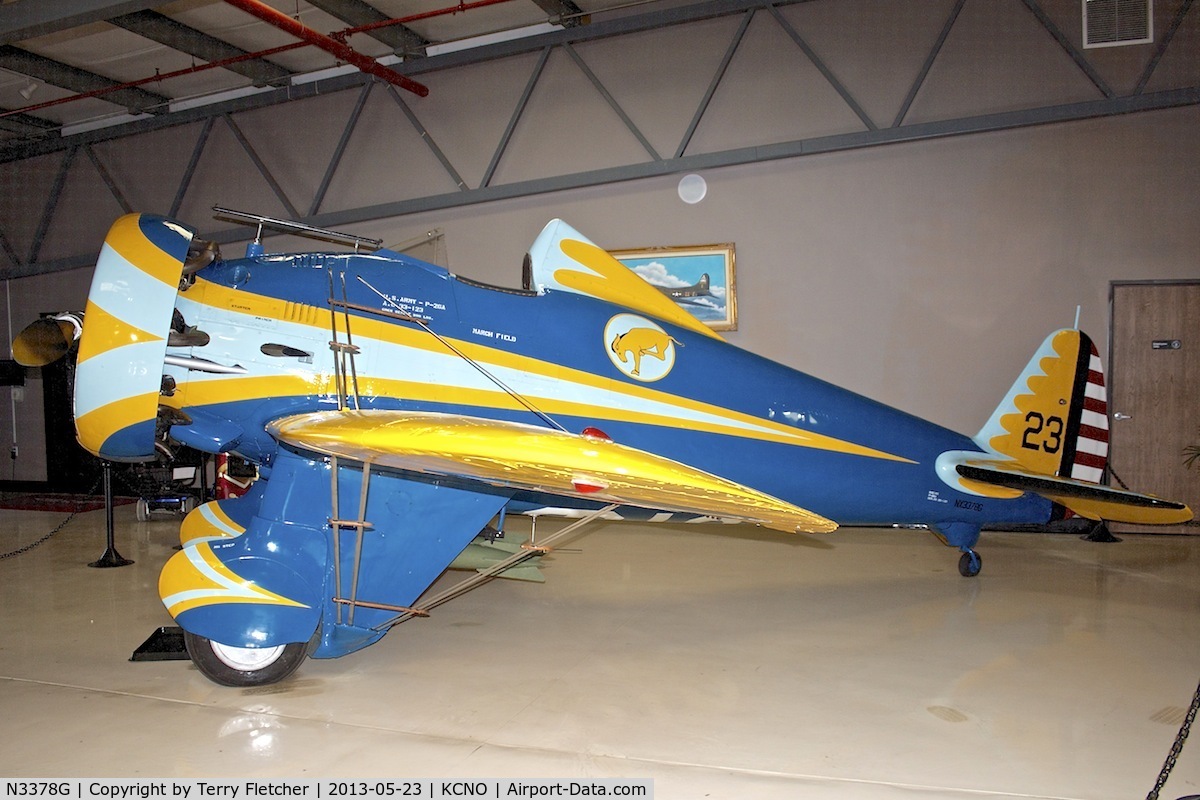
{"x":922,"y":274}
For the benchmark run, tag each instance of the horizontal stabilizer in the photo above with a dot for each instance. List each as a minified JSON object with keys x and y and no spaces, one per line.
{"x":528,"y":458}
{"x":1085,"y":499}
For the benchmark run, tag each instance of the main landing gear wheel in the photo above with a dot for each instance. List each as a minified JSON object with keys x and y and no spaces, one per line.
{"x":970,"y":564}
{"x":243,"y":666}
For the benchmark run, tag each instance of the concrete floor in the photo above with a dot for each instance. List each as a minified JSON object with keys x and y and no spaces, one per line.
{"x":716,"y":661}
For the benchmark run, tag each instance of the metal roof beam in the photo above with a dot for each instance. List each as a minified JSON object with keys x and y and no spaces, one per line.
{"x":1163,"y":44}
{"x":26,"y":20}
{"x":403,"y":40}
{"x":582,"y":33}
{"x":746,"y":155}
{"x":1069,"y":48}
{"x":177,"y":36}
{"x":842,"y":142}
{"x":928,"y":65}
{"x":28,"y":125}
{"x":562,"y":11}
{"x":78,"y":80}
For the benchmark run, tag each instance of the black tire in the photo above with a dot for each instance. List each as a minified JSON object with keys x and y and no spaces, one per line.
{"x":970,"y":564}
{"x":243,"y":666}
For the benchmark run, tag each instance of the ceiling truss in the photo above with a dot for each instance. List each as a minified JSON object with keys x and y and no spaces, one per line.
{"x":310,"y":210}
{"x":164,"y":30}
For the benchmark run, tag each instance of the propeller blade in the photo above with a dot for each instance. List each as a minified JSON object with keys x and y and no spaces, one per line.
{"x":43,"y":342}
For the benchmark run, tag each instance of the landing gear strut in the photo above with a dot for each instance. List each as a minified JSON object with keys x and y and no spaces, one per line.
{"x":962,"y":535}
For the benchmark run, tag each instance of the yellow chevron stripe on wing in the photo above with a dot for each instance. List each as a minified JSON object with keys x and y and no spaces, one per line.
{"x":195,"y":577}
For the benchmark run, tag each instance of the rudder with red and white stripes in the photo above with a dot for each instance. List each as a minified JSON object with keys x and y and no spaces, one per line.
{"x":1087,"y":449}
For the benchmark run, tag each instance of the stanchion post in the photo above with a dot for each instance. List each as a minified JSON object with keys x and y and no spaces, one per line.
{"x":111,"y":557}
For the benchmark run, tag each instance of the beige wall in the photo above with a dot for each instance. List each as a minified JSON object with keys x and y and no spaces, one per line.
{"x":923,"y":275}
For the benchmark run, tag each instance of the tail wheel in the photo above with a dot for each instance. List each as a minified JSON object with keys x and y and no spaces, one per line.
{"x":969,"y":564}
{"x":243,"y":666}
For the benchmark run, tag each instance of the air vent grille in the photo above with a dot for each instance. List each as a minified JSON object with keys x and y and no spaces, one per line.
{"x":1112,"y":23}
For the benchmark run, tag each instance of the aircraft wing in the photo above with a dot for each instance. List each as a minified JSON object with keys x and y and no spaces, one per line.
{"x":529,"y":458}
{"x":1089,"y":500}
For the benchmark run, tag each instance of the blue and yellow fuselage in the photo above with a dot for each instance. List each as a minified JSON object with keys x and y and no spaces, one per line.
{"x":717,"y":407}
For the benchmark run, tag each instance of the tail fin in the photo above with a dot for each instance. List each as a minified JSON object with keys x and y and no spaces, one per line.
{"x":1050,"y":437}
{"x":1054,"y":419}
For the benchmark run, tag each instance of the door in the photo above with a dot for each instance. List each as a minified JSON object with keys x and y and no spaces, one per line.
{"x":1155,"y":392}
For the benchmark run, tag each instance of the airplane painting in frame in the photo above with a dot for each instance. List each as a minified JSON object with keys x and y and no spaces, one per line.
{"x":398,"y":412}
{"x":701,"y":279}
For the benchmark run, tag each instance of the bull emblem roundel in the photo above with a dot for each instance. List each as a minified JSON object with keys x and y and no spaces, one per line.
{"x":639,"y":348}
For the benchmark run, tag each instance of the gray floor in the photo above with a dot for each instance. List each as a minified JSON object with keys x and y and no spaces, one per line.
{"x":716,"y":661}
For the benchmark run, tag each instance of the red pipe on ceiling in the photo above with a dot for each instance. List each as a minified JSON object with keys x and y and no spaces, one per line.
{"x":437,"y":12}
{"x":338,"y":49}
{"x":158,"y":76}
{"x":342,"y":34}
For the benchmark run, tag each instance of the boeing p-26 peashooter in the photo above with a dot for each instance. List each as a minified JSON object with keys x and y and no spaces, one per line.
{"x":396,"y":410}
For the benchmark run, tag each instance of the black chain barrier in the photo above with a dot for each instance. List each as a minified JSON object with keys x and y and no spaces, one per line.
{"x":22,"y":550}
{"x":1180,"y":738}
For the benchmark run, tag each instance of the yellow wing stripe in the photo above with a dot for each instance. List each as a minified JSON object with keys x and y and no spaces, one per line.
{"x":195,"y":577}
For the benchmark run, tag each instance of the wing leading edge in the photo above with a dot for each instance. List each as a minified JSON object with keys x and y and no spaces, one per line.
{"x":528,"y":458}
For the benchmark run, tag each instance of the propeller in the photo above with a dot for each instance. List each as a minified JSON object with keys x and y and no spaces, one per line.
{"x":48,"y":339}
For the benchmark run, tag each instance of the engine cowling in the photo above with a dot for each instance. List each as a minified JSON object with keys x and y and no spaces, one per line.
{"x":127,"y":323}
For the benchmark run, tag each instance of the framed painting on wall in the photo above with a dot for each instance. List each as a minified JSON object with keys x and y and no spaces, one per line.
{"x":700,"y":279}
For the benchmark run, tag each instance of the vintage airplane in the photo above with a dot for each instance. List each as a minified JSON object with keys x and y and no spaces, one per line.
{"x":701,"y":288}
{"x":396,"y":409}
